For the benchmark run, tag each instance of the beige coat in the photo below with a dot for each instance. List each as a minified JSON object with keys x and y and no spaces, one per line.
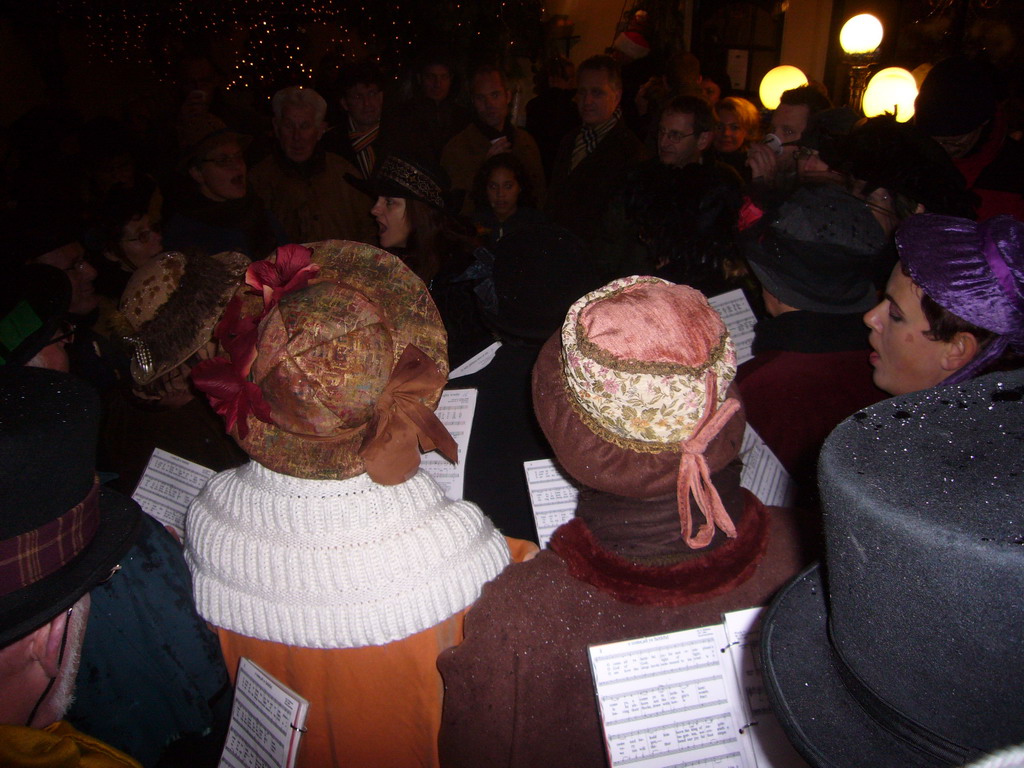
{"x":321,"y":206}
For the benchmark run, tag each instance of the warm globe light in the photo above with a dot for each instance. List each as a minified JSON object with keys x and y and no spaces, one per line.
{"x":861,"y":34}
{"x":778,"y":80}
{"x":892,"y":90}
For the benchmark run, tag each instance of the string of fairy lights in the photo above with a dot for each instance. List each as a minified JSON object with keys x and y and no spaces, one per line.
{"x":279,"y":40}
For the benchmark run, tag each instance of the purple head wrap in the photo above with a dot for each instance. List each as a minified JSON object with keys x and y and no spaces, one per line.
{"x":974,"y":270}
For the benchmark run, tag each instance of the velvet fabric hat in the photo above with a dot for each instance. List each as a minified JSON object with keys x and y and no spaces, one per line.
{"x":907,"y":648}
{"x":173,"y":303}
{"x":336,"y":360}
{"x":60,"y":533}
{"x":633,"y":392}
{"x":974,"y":270}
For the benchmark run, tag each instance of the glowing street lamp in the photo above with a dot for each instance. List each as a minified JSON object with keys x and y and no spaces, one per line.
{"x":859,"y":38}
{"x":892,"y":90}
{"x":776,"y":82}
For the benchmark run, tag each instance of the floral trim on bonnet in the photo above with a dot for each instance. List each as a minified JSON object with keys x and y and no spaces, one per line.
{"x":649,"y":408}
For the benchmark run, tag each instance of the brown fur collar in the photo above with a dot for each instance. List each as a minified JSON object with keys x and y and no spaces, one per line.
{"x":692,"y":580}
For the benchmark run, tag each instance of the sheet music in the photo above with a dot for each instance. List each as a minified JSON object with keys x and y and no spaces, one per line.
{"x":552,"y":497}
{"x":267,"y":721}
{"x":739,"y":319}
{"x":168,"y":486}
{"x":771,"y":747}
{"x":665,"y":701}
{"x":477,"y":362}
{"x":763,"y":474}
{"x":455,"y":410}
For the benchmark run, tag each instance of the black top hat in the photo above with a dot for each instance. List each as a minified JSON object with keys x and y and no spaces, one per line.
{"x":60,"y":534}
{"x":908,"y":650}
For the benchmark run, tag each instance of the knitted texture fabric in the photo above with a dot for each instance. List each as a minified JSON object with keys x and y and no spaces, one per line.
{"x":335,"y":563}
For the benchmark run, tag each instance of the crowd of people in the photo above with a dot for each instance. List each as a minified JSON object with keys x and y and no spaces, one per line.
{"x":281,"y":298}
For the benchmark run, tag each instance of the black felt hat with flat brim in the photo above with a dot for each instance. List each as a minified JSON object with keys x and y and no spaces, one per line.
{"x":48,"y":428}
{"x":907,"y":647}
{"x":411,"y":178}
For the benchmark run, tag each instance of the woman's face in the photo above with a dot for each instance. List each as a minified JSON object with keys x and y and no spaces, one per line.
{"x":731,"y":135}
{"x":905,"y":357}
{"x":393,"y":227}
{"x":503,"y":192}
{"x":140,"y":241}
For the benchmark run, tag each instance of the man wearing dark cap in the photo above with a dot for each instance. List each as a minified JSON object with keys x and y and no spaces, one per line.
{"x":815,"y":259}
{"x":60,"y":536}
{"x":958,"y":107}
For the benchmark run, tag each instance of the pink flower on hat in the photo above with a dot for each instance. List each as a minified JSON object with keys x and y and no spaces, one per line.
{"x":231,"y":396}
{"x":290,"y":271}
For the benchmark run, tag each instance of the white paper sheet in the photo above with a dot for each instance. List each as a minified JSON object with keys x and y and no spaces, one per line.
{"x":267,"y":721}
{"x":477,"y":362}
{"x":552,"y":497}
{"x":739,"y":319}
{"x":666,"y":701}
{"x":768,"y":741}
{"x":168,"y":486}
{"x":763,"y":474}
{"x":455,"y":410}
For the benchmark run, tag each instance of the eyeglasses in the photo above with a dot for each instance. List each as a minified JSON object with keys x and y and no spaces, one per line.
{"x":674,"y":136}
{"x":60,"y":663}
{"x":145,"y":235}
{"x":65,"y":333}
{"x":226,"y":161}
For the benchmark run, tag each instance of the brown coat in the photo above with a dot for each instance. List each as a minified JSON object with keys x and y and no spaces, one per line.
{"x":317,"y":206}
{"x":467,"y":151}
{"x":518,"y":691}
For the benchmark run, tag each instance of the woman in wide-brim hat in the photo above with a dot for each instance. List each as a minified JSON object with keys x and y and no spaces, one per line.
{"x":329,"y":559}
{"x":416,"y":215}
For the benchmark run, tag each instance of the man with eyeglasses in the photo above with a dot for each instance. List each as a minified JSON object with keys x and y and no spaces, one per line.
{"x":651,"y":218}
{"x":219,"y":213}
{"x":685,"y":130}
{"x":60,"y":536}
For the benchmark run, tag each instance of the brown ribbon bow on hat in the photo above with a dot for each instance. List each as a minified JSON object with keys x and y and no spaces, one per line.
{"x":402,"y":421}
{"x":694,"y":475}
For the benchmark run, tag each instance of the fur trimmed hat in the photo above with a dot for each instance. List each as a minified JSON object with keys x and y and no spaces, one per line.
{"x":173,"y":303}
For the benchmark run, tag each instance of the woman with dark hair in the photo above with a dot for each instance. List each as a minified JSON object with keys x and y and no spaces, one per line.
{"x":950,"y":269}
{"x":416,"y":220}
{"x":504,"y":198}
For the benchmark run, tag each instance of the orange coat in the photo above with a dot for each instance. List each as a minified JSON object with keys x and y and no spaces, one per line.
{"x":371,"y":707}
